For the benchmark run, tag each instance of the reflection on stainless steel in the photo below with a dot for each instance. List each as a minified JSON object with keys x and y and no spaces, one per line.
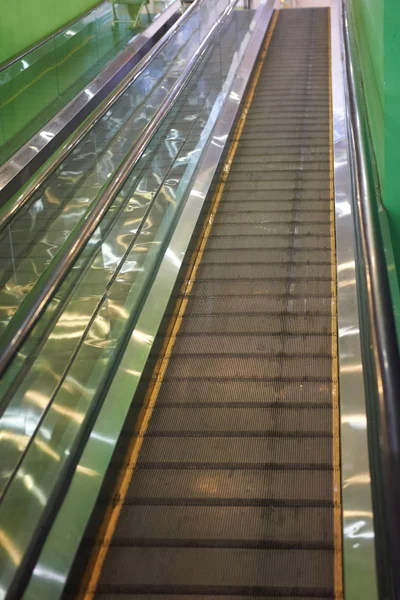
{"x":19,"y":167}
{"x":103,"y":436}
{"x":359,"y":556}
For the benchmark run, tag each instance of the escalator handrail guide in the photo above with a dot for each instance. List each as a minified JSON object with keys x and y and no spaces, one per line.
{"x":35,"y":303}
{"x":83,"y":129}
{"x":378,"y":307}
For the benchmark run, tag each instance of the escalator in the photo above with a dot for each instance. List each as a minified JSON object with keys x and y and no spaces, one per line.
{"x":169,"y":410}
{"x":232,"y":489}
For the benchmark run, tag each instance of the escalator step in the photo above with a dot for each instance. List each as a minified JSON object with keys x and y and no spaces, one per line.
{"x":237,"y":391}
{"x":306,"y":452}
{"x":226,"y":570}
{"x":173,"y":596}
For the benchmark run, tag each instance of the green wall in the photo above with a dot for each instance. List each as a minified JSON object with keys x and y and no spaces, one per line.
{"x":368,"y":22}
{"x":25,"y":22}
{"x":391,"y":196}
{"x":376,"y":24}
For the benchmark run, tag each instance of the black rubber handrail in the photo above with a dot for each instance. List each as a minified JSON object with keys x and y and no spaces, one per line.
{"x":35,"y":303}
{"x":378,"y":309}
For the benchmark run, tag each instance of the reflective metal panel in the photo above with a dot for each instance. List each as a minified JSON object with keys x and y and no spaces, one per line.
{"x":358,"y":524}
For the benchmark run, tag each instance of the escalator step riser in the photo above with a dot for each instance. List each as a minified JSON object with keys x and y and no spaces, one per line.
{"x":229,"y":523}
{"x":199,"y":596}
{"x":274,"y":195}
{"x":238,"y":486}
{"x":189,"y":568}
{"x":243,"y":421}
{"x":300,"y":184}
{"x":278,"y":136}
{"x":285,"y":307}
{"x":261,"y":163}
{"x":267,"y":346}
{"x":297,"y":289}
{"x":270,"y":145}
{"x":251,"y":368}
{"x":237,"y":392}
{"x":265,"y":256}
{"x":298,"y":452}
{"x":300,"y":242}
{"x":307,"y":155}
{"x":237,"y":323}
{"x":260,"y":218}
{"x":250,"y":271}
{"x":272,"y":229}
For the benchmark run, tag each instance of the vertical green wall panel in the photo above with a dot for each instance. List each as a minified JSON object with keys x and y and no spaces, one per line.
{"x":25,"y":22}
{"x":391,"y":197}
{"x":368,"y":23}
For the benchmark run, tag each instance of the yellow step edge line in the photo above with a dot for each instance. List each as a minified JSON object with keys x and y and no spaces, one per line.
{"x":96,"y":562}
{"x":337,"y":503}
